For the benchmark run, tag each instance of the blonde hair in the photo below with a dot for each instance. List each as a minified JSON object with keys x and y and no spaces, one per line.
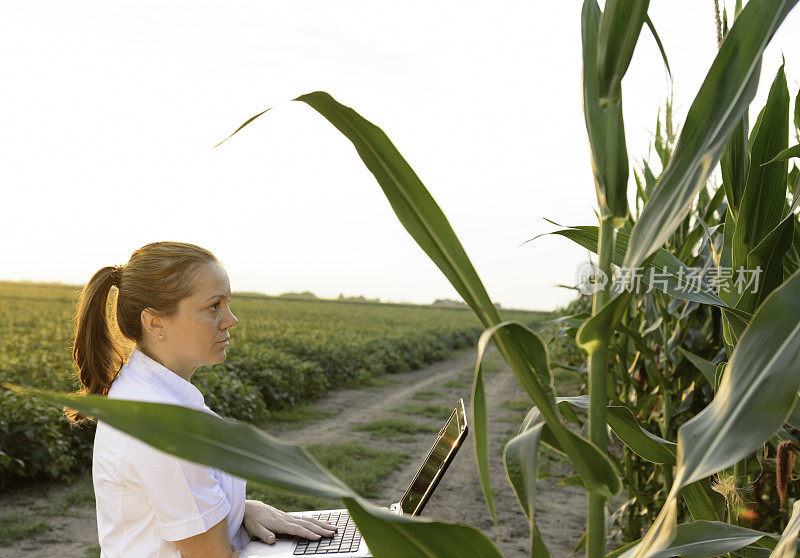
{"x":157,"y":276}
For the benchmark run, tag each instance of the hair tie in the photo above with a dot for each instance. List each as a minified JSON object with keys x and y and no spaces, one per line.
{"x":116,"y":275}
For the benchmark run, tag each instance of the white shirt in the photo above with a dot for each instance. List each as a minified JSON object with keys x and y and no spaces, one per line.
{"x":147,"y":498}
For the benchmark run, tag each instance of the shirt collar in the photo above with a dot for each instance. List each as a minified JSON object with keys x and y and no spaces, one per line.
{"x":156,"y":372}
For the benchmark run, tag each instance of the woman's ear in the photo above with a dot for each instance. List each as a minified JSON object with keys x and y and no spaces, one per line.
{"x":152,"y":323}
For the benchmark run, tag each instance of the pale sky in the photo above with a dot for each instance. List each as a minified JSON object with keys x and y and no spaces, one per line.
{"x":109,"y":111}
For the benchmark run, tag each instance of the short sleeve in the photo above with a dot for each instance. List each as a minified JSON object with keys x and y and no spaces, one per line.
{"x":187,"y":498}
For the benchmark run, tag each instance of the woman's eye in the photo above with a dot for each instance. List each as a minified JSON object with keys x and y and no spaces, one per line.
{"x":215,"y":305}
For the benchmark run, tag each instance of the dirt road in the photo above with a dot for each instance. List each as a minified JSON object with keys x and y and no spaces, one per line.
{"x":560,"y":510}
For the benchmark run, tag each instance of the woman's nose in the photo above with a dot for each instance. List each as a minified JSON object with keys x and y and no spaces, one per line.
{"x":232,"y":320}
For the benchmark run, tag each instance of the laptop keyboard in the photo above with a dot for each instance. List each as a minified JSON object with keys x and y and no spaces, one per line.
{"x":346,"y":539}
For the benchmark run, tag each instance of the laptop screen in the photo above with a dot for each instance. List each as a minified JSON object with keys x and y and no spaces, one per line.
{"x":432,"y":469}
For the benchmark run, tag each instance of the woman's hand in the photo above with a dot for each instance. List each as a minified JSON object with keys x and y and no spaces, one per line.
{"x":264,"y":522}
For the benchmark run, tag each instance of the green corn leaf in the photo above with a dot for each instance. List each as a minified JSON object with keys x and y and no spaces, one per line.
{"x":797,"y":114}
{"x":733,"y":164}
{"x":753,"y":551}
{"x":787,"y":545}
{"x":594,"y":331}
{"x":732,"y":325}
{"x":718,"y":108}
{"x":764,"y":198}
{"x":786,"y":154}
{"x":619,"y":32}
{"x":646,"y":445}
{"x":756,"y":393}
{"x":574,"y":480}
{"x":702,"y":539}
{"x":567,"y":406}
{"x":706,"y":367}
{"x":685,"y":249}
{"x":604,"y":122}
{"x":793,"y":419}
{"x":756,"y":126}
{"x":640,"y":193}
{"x":719,"y":374}
{"x":702,"y":199}
{"x":796,"y":240}
{"x":729,"y":335}
{"x":687,"y":244}
{"x":714,"y":204}
{"x":580,"y":402}
{"x":658,"y":142}
{"x":735,"y":322}
{"x":244,"y":451}
{"x":397,"y":536}
{"x":709,"y":538}
{"x":754,"y":398}
{"x":703,"y":503}
{"x":760,"y":549}
{"x":621,"y":420}
{"x":480,"y":430}
{"x":768,"y":256}
{"x":652,"y":28}
{"x":520,"y":456}
{"x":639,"y":342}
{"x":649,"y":180}
{"x":725,"y":257}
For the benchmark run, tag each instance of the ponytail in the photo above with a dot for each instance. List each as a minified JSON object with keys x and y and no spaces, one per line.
{"x":96,"y":351}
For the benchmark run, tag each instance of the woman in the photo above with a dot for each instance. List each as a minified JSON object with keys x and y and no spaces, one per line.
{"x":173,"y":305}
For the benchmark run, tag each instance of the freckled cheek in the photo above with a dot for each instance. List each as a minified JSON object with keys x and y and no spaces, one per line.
{"x":204,"y":328}
{"x":211,"y":325}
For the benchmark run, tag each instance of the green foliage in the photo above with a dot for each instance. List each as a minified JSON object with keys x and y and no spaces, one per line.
{"x":231,"y":396}
{"x":36,"y":440}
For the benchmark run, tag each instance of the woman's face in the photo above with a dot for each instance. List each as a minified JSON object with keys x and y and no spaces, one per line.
{"x":197,"y":335}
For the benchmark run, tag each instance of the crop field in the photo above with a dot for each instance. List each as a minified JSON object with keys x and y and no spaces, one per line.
{"x":283,"y":353}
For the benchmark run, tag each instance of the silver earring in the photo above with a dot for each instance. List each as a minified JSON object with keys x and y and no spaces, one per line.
{"x":160,"y":337}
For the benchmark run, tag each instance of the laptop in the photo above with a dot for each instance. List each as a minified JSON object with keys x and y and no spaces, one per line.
{"x":347,"y":543}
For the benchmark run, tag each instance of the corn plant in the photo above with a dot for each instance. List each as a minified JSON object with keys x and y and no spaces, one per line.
{"x":648,"y":374}
{"x":757,"y":388}
{"x":659,"y":355}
